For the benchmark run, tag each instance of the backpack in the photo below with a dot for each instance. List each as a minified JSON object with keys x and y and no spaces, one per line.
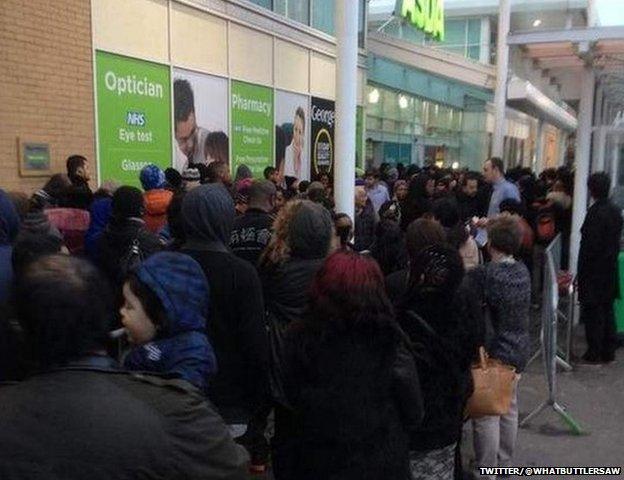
{"x":131,"y":260}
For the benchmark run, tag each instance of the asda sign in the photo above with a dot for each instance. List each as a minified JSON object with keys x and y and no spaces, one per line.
{"x":425,"y":15}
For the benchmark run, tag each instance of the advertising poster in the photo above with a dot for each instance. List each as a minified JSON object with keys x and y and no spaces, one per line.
{"x":134,"y":116}
{"x":292,"y":148}
{"x":322,"y":119}
{"x":251,"y":110}
{"x":200,"y":111}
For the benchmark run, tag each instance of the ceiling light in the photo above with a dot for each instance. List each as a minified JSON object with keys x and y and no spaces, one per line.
{"x":455,"y":165}
{"x":537,"y":23}
{"x":403,"y":103}
{"x":373,"y":96}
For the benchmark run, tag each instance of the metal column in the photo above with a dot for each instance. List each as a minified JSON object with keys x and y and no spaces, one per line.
{"x":502,"y":68}
{"x":582,"y":161}
{"x":346,"y":90}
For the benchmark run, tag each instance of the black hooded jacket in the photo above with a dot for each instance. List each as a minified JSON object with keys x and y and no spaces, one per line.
{"x":286,"y":285}
{"x":236,"y":325}
{"x":115,"y":244}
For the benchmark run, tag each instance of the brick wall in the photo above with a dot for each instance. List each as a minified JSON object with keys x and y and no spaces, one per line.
{"x":46,"y":83}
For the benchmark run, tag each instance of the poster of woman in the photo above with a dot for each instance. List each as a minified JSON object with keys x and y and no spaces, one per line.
{"x":292,"y":127}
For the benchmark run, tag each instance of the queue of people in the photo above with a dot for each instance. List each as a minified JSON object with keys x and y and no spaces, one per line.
{"x":209,"y":327}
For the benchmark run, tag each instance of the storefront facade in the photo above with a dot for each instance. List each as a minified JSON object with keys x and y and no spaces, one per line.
{"x":259,"y":82}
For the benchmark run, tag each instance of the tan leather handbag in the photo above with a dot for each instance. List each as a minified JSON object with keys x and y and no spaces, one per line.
{"x":494,"y":383}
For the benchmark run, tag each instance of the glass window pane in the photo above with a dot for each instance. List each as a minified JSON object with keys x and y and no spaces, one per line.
{"x":361,"y":19}
{"x":374,"y":101}
{"x":455,"y":32}
{"x":390,"y":104}
{"x":474,"y":52}
{"x":474,"y":31}
{"x":323,"y":16}
{"x":299,"y":10}
{"x":263,"y":3}
{"x":279,"y":6}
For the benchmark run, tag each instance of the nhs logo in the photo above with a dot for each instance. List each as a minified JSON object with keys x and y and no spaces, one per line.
{"x":136,"y":119}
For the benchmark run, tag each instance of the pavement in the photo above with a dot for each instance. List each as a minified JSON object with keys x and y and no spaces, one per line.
{"x":594,"y":397}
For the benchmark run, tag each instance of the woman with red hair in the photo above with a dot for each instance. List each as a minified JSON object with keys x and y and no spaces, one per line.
{"x":350,"y":380}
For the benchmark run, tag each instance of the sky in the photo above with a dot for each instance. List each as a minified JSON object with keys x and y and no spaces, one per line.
{"x":610,"y":12}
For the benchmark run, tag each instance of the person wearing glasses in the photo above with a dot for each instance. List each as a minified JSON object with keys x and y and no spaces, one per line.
{"x":190,"y":138}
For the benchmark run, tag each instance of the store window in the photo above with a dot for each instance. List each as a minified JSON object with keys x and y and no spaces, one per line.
{"x":318,"y":14}
{"x":297,"y":10}
{"x":462,"y":36}
{"x":268,"y":4}
{"x":408,"y":129}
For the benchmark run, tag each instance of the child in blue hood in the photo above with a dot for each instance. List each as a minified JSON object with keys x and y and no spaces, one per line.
{"x":164,"y":313}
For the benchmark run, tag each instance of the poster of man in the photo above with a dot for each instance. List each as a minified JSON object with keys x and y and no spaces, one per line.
{"x":292,"y":125}
{"x":200,"y":108}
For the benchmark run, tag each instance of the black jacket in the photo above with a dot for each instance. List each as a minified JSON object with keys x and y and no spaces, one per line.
{"x":286,"y":295}
{"x":97,"y":423}
{"x":354,"y":403}
{"x":443,"y":343}
{"x":251,"y":234}
{"x":364,"y":228}
{"x":115,"y":244}
{"x":236,"y":329}
{"x":469,"y":207}
{"x":600,"y":246}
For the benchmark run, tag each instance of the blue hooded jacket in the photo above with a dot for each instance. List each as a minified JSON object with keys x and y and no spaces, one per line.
{"x":181,"y":346}
{"x":9,"y":227}
{"x":101,"y":211}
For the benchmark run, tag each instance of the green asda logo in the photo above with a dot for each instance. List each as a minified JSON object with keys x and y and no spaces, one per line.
{"x":425,"y":15}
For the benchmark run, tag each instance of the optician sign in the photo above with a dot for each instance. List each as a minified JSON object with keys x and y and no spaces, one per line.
{"x":134,"y":116}
{"x":425,"y":15}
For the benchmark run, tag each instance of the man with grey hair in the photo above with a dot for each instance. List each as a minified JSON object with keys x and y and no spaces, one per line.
{"x":252,"y":231}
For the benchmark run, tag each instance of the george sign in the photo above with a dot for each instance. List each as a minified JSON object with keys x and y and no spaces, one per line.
{"x":134,"y":116}
{"x":425,"y":15}
{"x":322,"y":120}
{"x":251,"y":111}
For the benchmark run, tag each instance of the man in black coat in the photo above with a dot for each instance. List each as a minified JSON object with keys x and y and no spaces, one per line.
{"x":252,"y":231}
{"x":79,"y":416}
{"x":236,"y":323}
{"x":598,"y":271}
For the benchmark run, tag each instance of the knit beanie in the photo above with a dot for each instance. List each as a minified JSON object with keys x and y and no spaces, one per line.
{"x":310,"y":231}
{"x":152,"y":177}
{"x":127,"y":202}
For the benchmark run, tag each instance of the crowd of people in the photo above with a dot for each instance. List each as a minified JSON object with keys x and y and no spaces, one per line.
{"x":208,"y":326}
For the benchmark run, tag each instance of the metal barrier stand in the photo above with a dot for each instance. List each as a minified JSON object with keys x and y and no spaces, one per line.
{"x":549,"y":348}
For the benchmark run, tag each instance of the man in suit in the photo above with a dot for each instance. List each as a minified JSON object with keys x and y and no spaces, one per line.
{"x":598,"y":271}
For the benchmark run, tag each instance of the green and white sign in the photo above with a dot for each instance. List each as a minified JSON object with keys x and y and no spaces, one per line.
{"x":134,"y":116}
{"x":252,"y":137}
{"x":425,"y":15}
{"x":359,"y":137}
